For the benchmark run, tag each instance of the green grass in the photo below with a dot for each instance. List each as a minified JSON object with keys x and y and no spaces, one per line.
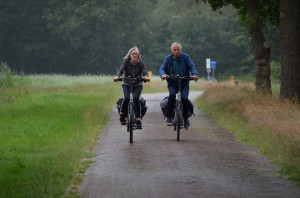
{"x":47,"y":126}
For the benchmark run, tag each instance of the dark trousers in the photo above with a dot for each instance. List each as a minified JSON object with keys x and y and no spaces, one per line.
{"x":137,"y":90}
{"x":173,"y":89}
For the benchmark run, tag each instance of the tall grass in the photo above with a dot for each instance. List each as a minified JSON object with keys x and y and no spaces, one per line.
{"x":264,"y":121}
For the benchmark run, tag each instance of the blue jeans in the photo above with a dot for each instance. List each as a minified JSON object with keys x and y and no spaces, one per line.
{"x":137,"y":90}
{"x":173,"y":89}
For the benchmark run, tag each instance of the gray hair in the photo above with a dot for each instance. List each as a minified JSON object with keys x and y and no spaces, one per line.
{"x":127,"y":56}
{"x":175,"y":44}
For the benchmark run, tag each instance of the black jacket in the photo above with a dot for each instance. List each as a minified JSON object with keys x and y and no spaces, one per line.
{"x":137,"y":70}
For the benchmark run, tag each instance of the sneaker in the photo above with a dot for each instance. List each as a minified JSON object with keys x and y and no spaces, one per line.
{"x":138,"y":124}
{"x":186,"y":123}
{"x":122,"y":119}
{"x":169,"y":121}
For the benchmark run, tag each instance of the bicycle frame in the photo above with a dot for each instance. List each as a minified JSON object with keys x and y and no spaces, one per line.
{"x":178,"y":118}
{"x":130,"y":122}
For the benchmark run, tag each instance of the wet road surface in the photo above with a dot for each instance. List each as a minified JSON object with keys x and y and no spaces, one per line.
{"x":207,"y":162}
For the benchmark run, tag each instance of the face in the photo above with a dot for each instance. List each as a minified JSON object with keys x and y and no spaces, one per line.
{"x":176,"y":50}
{"x":134,"y":55}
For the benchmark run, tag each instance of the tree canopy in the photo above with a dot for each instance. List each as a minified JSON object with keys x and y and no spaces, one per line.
{"x":76,"y":37}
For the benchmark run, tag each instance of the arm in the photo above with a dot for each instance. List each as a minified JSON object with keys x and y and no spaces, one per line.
{"x":164,"y":68}
{"x":122,"y":69}
{"x":192,"y":68}
{"x":144,"y":72}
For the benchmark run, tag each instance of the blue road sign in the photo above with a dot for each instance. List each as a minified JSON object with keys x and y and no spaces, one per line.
{"x":213,"y":65}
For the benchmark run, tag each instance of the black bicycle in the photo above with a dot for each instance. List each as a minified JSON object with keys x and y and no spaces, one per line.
{"x":178,"y":118}
{"x":130,"y":118}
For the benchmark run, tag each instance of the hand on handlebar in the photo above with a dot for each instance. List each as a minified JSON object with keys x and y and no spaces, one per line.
{"x":164,"y":76}
{"x":195,"y":78}
{"x":146,"y":79}
{"x":116,"y":78}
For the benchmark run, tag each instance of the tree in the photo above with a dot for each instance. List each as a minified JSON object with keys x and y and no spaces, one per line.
{"x":290,"y":49}
{"x":257,"y":13}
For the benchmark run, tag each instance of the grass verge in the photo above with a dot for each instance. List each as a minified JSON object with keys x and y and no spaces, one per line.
{"x":47,"y":125}
{"x":269,"y":124}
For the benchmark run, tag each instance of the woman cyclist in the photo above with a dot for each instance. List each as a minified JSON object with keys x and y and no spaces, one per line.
{"x":134,"y":67}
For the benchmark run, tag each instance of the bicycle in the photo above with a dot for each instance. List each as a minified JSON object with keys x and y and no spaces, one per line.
{"x":130,"y":118}
{"x":178,"y":118}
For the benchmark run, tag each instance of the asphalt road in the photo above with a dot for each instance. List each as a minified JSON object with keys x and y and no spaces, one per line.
{"x":207,"y":162}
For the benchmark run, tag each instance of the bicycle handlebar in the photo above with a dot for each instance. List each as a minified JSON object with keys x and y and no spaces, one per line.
{"x":180,"y":77}
{"x":132,"y":79}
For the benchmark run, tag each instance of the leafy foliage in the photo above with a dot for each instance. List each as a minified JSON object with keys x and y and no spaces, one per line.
{"x":6,"y":76}
{"x":77,"y":37}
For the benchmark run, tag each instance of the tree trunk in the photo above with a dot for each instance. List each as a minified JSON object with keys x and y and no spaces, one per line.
{"x":261,"y":49}
{"x":290,"y":49}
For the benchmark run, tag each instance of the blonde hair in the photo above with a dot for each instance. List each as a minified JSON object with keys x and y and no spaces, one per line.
{"x":127,"y":56}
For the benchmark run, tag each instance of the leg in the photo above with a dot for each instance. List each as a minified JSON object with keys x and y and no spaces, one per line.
{"x":172,"y":100}
{"x":124,"y":104}
{"x":185,"y":103}
{"x":137,"y":105}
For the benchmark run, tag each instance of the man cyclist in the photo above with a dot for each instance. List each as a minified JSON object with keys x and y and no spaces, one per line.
{"x":178,"y":63}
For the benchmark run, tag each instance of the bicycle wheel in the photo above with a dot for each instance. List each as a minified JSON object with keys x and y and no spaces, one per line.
{"x":178,"y":120}
{"x":131,"y":122}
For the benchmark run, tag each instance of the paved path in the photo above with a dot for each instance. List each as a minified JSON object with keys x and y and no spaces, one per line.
{"x":207,"y":162}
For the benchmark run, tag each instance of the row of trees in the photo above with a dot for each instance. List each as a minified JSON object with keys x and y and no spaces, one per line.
{"x":257,"y":14}
{"x":92,"y":36}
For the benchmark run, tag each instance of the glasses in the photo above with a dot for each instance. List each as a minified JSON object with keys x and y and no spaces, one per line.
{"x":134,"y":54}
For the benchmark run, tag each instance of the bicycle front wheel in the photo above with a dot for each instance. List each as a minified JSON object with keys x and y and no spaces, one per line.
{"x":130,"y":122}
{"x":178,"y":120}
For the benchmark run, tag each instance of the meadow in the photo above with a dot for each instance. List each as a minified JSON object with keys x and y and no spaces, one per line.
{"x":50,"y":124}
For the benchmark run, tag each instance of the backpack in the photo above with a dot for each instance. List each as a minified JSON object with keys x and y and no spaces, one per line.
{"x":143,"y":105}
{"x":164,"y":104}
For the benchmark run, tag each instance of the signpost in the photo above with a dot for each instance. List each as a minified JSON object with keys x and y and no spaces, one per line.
{"x":210,"y":65}
{"x":213,"y":65}
{"x":208,"y":68}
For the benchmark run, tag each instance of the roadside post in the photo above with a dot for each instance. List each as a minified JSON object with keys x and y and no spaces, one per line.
{"x":213,"y":66}
{"x":232,"y":80}
{"x":208,"y":69}
{"x":150,"y":76}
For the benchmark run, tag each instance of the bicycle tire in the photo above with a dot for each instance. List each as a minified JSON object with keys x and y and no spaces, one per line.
{"x":131,"y":122}
{"x":178,"y":120}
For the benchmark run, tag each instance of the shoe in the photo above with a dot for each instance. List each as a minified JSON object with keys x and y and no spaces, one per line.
{"x":169,"y":121}
{"x":122,"y":119}
{"x":186,"y":123}
{"x":138,"y":124}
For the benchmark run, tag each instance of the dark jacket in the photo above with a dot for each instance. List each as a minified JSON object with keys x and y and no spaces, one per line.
{"x":137,"y":70}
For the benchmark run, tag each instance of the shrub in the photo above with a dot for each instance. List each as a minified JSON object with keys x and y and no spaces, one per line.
{"x":5,"y":75}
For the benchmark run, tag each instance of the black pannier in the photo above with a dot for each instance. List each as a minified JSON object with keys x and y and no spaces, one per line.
{"x":164,"y":103}
{"x":143,"y":105}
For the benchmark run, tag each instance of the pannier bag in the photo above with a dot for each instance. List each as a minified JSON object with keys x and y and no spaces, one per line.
{"x":143,"y":105}
{"x":164,"y":103}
